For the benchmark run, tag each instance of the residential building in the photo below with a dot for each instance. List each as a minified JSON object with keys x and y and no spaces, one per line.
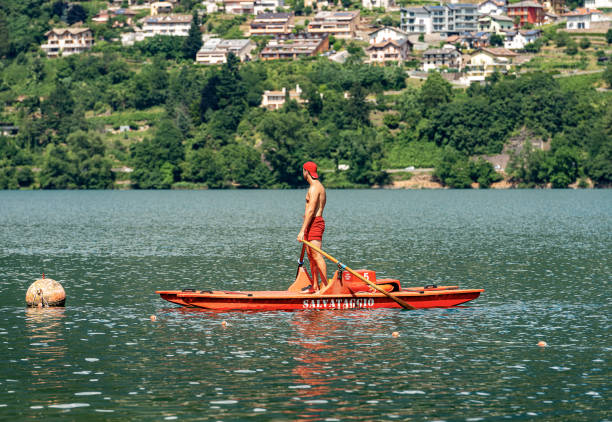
{"x":517,"y":40}
{"x":598,"y":4}
{"x":273,"y":100}
{"x":67,"y":41}
{"x":462,"y":17}
{"x":526,"y":12}
{"x":161,"y":7}
{"x":486,"y":61}
{"x":492,"y":7}
{"x":294,"y":47}
{"x":582,"y":18}
{"x":556,"y":7}
{"x":215,"y":50}
{"x":211,"y":6}
{"x":416,"y":20}
{"x":272,"y":24}
{"x":471,"y":40}
{"x":389,"y":51}
{"x":385,"y":34}
{"x":383,"y":4}
{"x":437,"y":58}
{"x":453,"y":18}
{"x":239,"y":7}
{"x":177,"y":25}
{"x":338,"y":24}
{"x":495,"y":23}
{"x":267,"y":6}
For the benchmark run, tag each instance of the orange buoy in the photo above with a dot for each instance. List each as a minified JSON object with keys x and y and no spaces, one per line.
{"x":45,"y":292}
{"x":542,"y":343}
{"x":224,"y":323}
{"x":153,"y":318}
{"x":395,"y":334}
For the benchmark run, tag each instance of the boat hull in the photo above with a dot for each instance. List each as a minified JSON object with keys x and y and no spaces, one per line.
{"x":291,"y":301}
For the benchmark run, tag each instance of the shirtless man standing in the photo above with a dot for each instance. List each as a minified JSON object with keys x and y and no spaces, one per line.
{"x":314,"y":225}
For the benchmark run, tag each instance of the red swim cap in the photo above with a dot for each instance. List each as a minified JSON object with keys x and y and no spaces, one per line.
{"x":311,"y":168}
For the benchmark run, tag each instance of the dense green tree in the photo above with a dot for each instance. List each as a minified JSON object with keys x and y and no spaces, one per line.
{"x":76,"y":13}
{"x":58,"y":170}
{"x":193,"y":41}
{"x":609,"y":36}
{"x":496,"y":40}
{"x":607,"y":75}
{"x":435,"y":92}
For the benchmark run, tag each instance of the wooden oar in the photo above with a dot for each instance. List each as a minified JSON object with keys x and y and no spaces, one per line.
{"x":402,"y":303}
{"x":300,"y":261}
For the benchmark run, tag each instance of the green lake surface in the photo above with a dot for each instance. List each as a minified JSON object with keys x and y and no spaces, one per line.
{"x":544,"y":258}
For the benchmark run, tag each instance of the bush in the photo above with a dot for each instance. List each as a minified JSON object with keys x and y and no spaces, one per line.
{"x":585,"y":43}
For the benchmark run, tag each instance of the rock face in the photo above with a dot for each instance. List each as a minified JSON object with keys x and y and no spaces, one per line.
{"x":46,"y":292}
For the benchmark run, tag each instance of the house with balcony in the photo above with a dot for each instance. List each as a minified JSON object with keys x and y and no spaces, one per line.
{"x":389,"y":51}
{"x":67,"y":41}
{"x":273,"y":100}
{"x":526,"y":12}
{"x":239,"y":7}
{"x":598,"y":4}
{"x":385,"y":34}
{"x":381,"y":4}
{"x":583,"y":18}
{"x":295,"y":46}
{"x":438,"y":58}
{"x":267,"y":6}
{"x":492,"y":7}
{"x":339,"y":24}
{"x":215,"y":50}
{"x":517,"y":40}
{"x":487,"y":61}
{"x":416,"y":20}
{"x":175,"y":25}
{"x":272,"y":24}
{"x":495,"y":23}
{"x":161,"y":7}
{"x":462,"y":17}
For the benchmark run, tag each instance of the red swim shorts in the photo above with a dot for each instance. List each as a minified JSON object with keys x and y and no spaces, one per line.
{"x":315,"y":230}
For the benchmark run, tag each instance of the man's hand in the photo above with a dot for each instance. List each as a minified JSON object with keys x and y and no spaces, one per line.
{"x":300,"y":236}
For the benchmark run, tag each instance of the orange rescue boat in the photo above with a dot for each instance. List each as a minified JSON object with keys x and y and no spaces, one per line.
{"x":343,"y":291}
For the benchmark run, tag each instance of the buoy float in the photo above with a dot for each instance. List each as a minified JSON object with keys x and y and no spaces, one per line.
{"x":223,"y":323}
{"x":542,"y":343}
{"x":395,"y":334}
{"x":45,"y":292}
{"x":153,"y":318}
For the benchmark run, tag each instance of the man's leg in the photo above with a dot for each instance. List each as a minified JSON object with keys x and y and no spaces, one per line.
{"x":313,"y":267}
{"x":320,"y":262}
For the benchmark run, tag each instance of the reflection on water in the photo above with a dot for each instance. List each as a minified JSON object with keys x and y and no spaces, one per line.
{"x":543,"y":258}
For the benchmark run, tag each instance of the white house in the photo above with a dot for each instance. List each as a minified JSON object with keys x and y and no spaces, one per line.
{"x":416,"y":20}
{"x":371,"y":4}
{"x":437,"y":58}
{"x":264,"y":6}
{"x":517,"y":40}
{"x":492,"y":7}
{"x":486,"y":61}
{"x":211,"y":6}
{"x":67,"y":41}
{"x":583,"y":18}
{"x":388,"y":51}
{"x":273,"y":100}
{"x":594,"y":4}
{"x":386,"y":34}
{"x":215,"y":50}
{"x":495,"y":23}
{"x":177,"y":25}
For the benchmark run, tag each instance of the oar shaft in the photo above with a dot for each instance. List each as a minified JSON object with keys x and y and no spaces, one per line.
{"x":301,"y":260}
{"x":402,"y":303}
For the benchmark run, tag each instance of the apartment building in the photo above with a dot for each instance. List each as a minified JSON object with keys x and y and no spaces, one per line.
{"x":338,"y":24}
{"x":272,"y":24}
{"x":294,"y":47}
{"x":526,"y":12}
{"x":239,"y":7}
{"x":416,"y":20}
{"x":177,"y":25}
{"x":215,"y":50}
{"x":267,"y":6}
{"x":389,"y":51}
{"x":437,"y":58}
{"x":67,"y":41}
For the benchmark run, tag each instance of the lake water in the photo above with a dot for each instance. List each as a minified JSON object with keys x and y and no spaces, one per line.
{"x":544,"y":258}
